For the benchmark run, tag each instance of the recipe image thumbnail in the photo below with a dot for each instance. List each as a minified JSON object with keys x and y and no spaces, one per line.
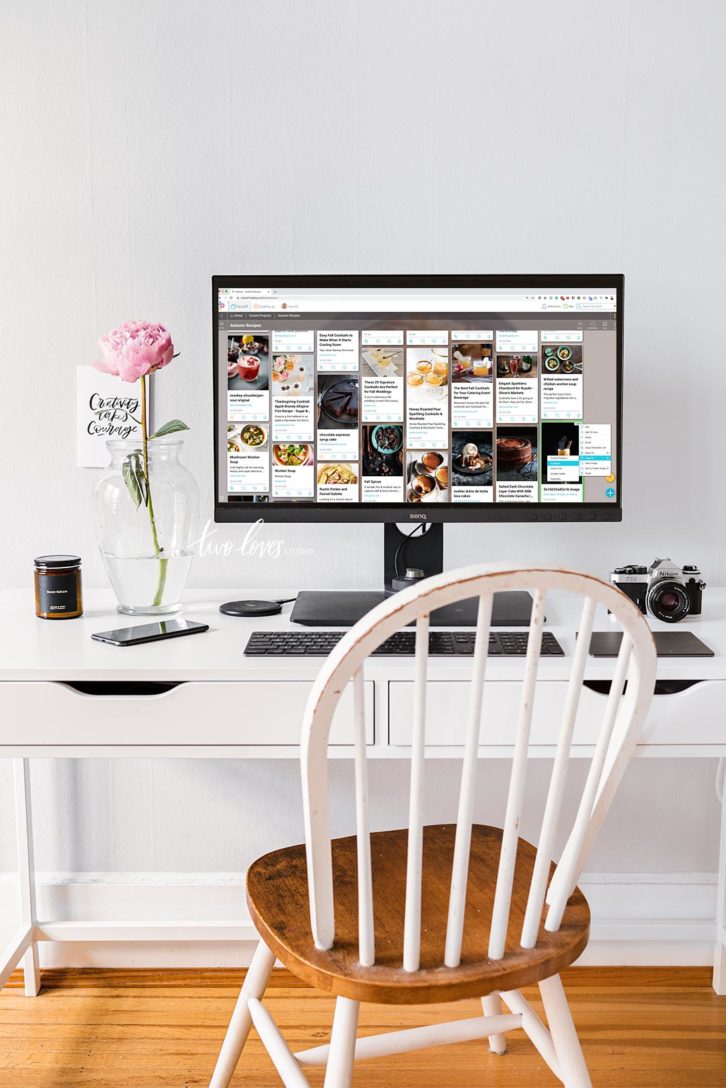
{"x":560,"y":454}
{"x":382,"y":449}
{"x":517,"y":454}
{"x":559,"y":440}
{"x":338,"y":401}
{"x":472,"y":460}
{"x":246,"y":437}
{"x":471,"y":362}
{"x":427,"y":373}
{"x":337,"y":482}
{"x":248,"y":362}
{"x":292,"y":374}
{"x":382,"y":462}
{"x":427,"y":476}
{"x":292,"y":470}
{"x":472,"y":385}
{"x":516,"y":464}
{"x":517,"y":366}
{"x":384,"y":362}
{"x":248,"y":467}
{"x":562,"y":358}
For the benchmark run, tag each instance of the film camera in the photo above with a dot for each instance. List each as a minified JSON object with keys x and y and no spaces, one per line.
{"x":664,"y":590}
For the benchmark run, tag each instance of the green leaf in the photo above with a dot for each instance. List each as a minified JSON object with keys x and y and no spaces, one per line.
{"x":128,"y":470}
{"x":169,"y":428}
{"x":135,"y":478}
{"x":141,"y":478}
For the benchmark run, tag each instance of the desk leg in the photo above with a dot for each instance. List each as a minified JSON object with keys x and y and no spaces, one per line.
{"x":26,"y":872}
{"x":719,"y":959}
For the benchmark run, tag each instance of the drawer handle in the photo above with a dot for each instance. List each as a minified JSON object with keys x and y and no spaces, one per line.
{"x":121,"y":687}
{"x":662,"y":687}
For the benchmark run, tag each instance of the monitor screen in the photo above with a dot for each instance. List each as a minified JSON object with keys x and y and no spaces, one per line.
{"x":417,"y":398}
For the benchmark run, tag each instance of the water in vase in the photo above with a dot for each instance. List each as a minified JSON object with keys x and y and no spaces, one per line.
{"x":137,"y":582}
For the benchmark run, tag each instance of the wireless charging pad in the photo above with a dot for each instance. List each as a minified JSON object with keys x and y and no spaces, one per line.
{"x":251,"y":609}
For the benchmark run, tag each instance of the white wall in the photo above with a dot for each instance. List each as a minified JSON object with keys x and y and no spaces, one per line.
{"x":149,"y":145}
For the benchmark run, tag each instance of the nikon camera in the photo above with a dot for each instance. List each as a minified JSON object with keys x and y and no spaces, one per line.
{"x":664,"y":590}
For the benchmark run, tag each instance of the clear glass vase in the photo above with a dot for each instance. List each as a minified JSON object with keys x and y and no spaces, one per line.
{"x":146,"y":548}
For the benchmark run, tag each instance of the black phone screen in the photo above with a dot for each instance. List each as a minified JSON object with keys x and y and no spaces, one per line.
{"x":150,"y":632}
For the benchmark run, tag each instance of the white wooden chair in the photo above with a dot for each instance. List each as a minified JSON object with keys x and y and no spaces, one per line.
{"x":433,"y":914}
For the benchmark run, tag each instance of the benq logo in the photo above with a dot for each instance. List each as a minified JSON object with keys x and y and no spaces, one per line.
{"x":419,"y":517}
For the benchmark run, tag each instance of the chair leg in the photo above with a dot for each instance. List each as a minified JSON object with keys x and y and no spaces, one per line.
{"x":339,"y":1070}
{"x":255,"y":985}
{"x":492,"y":1006}
{"x":570,"y":1058}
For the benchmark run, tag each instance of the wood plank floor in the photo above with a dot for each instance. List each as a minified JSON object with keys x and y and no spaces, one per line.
{"x":640,"y":1028}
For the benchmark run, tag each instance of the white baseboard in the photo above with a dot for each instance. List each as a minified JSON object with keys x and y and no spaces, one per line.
{"x":200,"y":919}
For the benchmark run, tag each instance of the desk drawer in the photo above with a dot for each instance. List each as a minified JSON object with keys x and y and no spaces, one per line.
{"x":197,"y":712}
{"x":448,"y":708}
{"x":696,"y":715}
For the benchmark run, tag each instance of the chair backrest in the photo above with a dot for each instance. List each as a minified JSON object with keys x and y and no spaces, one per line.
{"x":624,"y":714}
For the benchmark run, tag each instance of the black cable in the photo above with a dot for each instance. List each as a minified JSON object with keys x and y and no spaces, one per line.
{"x":288,"y":600}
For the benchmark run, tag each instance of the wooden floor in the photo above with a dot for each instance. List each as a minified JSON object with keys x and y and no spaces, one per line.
{"x":661,"y":1028}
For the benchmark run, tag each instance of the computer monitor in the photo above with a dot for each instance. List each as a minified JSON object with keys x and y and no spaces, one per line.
{"x":417,"y":399}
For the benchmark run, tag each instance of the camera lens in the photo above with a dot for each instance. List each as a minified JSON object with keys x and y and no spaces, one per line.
{"x":668,"y":601}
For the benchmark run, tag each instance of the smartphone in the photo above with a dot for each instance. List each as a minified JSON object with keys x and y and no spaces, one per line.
{"x":150,"y":632}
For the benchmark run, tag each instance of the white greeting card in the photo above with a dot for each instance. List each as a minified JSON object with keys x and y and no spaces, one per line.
{"x":106,"y":408}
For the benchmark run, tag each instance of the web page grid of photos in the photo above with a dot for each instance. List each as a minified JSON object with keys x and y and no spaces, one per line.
{"x":411,"y":415}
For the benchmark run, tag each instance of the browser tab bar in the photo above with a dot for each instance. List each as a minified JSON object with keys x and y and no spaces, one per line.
{"x":250,"y":300}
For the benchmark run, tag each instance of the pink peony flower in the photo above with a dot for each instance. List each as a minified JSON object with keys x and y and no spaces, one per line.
{"x":134,"y":349}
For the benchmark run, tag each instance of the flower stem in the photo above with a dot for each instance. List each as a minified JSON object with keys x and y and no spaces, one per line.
{"x":149,"y":502}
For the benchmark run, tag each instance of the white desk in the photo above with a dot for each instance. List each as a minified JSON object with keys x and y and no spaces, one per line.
{"x":60,"y":696}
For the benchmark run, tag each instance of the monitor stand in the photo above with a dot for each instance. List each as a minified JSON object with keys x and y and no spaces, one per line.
{"x":344,"y":607}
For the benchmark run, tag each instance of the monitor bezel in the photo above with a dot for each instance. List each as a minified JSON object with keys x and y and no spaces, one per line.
{"x":401,"y":513}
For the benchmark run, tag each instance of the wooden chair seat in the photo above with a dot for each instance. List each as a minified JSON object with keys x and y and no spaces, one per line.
{"x":278,"y":898}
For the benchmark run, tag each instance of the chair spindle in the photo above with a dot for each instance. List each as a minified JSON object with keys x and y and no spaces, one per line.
{"x":462,"y":844}
{"x":558,"y":778}
{"x":414,"y":861}
{"x":568,"y":869}
{"x":366,"y":938}
{"x":515,"y":800}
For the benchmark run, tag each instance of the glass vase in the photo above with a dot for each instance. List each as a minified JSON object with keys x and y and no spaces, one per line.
{"x":146,"y":539}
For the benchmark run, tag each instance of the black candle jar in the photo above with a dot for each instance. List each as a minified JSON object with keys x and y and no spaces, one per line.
{"x":58,"y":591}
